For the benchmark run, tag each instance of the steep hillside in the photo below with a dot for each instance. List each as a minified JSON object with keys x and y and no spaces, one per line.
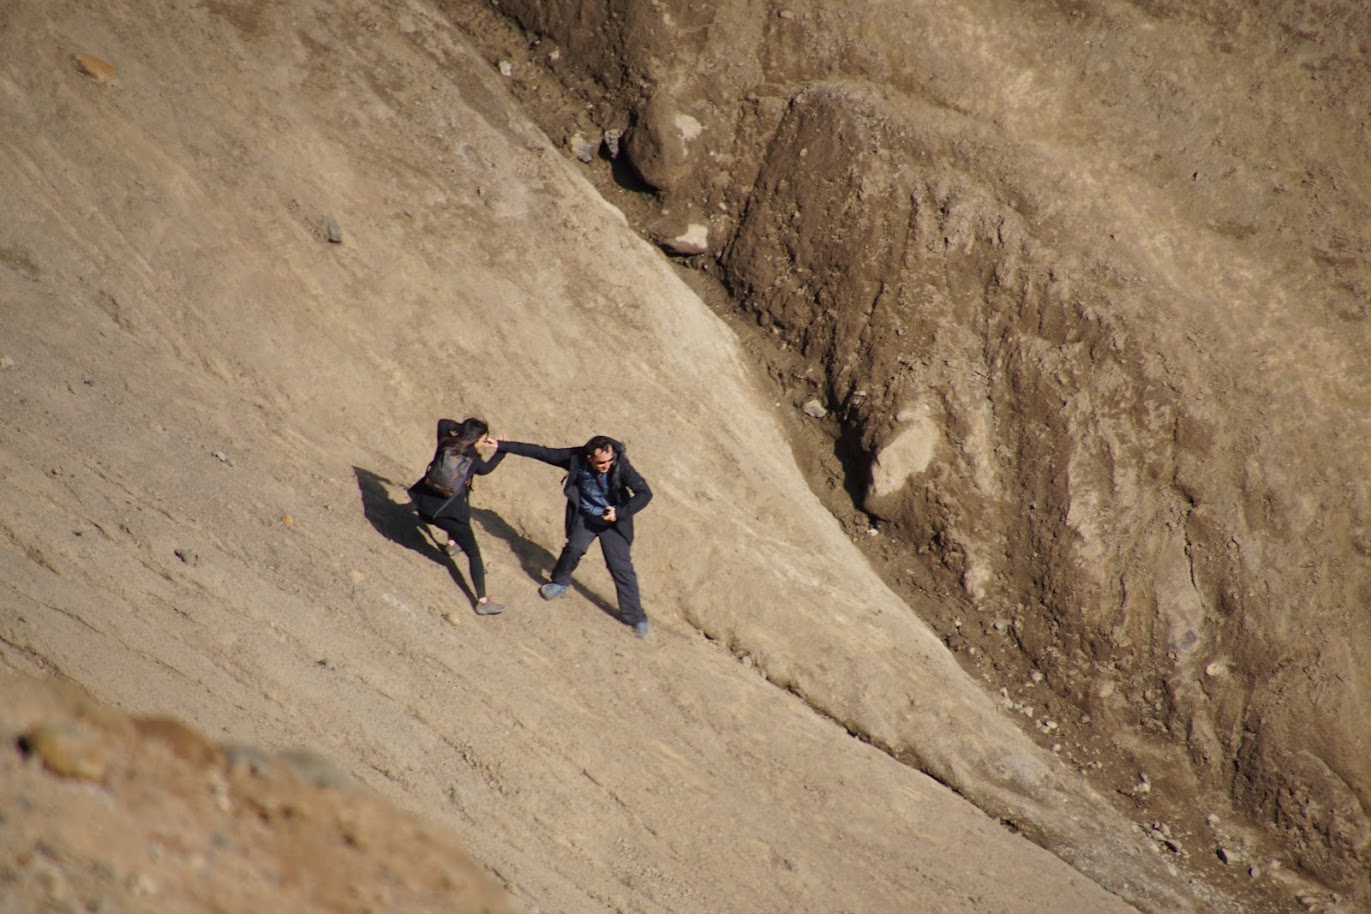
{"x":250,"y":252}
{"x":1083,"y":289}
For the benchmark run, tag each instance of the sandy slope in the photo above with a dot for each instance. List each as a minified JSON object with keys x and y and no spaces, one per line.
{"x":211,"y":412}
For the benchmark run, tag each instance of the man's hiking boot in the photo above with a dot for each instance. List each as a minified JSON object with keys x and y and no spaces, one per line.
{"x":489,"y":607}
{"x":640,"y":628}
{"x":551,"y":590}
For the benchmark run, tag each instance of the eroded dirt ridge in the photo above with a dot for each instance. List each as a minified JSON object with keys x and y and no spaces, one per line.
{"x":1083,"y":283}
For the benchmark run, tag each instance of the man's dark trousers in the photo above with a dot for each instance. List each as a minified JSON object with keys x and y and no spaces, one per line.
{"x":584,"y":531}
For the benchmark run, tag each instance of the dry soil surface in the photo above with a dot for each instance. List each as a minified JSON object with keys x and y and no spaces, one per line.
{"x":249,"y":254}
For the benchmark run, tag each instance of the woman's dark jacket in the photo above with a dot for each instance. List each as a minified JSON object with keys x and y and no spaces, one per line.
{"x":432,"y":505}
{"x":628,"y":491}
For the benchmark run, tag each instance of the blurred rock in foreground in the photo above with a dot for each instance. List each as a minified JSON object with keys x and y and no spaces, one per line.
{"x":104,"y":812}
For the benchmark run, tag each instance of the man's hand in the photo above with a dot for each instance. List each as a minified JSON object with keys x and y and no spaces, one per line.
{"x":610,"y":515}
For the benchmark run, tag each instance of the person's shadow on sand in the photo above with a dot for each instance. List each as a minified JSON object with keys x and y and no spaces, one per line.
{"x":398,"y":522}
{"x":536,"y":561}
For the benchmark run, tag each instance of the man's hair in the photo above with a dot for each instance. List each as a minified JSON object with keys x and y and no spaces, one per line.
{"x":598,"y":443}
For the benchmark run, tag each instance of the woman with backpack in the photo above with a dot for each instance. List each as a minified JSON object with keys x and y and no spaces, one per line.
{"x":442,"y":494}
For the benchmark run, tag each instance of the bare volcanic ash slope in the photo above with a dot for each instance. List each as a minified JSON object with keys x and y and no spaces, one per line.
{"x":249,"y":254}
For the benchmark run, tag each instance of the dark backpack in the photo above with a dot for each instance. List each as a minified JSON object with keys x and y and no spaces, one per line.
{"x":449,"y":470}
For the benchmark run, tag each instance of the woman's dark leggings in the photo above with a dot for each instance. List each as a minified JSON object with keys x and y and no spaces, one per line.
{"x":465,"y":537}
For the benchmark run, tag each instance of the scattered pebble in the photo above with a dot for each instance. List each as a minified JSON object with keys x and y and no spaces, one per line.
{"x":1161,"y":834}
{"x":582,"y":148}
{"x":695,"y":240}
{"x":814,"y":409}
{"x":612,"y":138}
{"x":332,"y":231}
{"x":99,"y":70}
{"x":188,"y":556}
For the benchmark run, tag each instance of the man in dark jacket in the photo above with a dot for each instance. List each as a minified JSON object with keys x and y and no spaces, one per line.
{"x":603,"y":492}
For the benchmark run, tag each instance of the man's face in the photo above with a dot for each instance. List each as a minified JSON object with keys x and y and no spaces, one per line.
{"x":601,"y":461}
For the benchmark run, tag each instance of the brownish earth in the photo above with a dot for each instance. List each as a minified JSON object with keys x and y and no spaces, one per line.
{"x":108,"y":813}
{"x":1056,"y":607}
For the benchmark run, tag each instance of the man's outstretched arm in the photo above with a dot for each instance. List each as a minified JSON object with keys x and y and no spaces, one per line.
{"x":556,"y":456}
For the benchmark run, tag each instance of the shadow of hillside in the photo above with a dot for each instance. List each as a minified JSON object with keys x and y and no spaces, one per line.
{"x":536,"y":561}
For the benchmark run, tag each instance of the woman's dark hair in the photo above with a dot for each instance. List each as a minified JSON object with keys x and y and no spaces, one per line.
{"x":468,"y":433}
